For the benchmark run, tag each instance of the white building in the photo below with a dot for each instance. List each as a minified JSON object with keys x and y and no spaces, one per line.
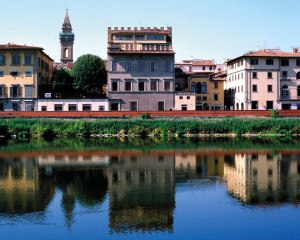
{"x":59,"y":104}
{"x":265,"y":79}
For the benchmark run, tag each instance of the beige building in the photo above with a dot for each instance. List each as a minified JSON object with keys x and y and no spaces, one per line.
{"x":264,"y":79}
{"x":22,"y":70}
{"x":205,"y":80}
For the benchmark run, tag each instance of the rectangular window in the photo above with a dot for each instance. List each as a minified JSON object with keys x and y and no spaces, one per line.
{"x":1,"y":73}
{"x":180,"y":97}
{"x":28,"y":91}
{"x":28,"y":59}
{"x":141,"y":86}
{"x":167,"y":86}
{"x":254,"y":61}
{"x":284,"y":62}
{"x":2,"y":59}
{"x":58,"y":107}
{"x":167,"y":66}
{"x":160,"y":105}
{"x":101,"y":108}
{"x":269,"y":104}
{"x":114,"y":86}
{"x":203,"y":68}
{"x":114,"y":66}
{"x":216,"y":97}
{"x":14,"y":73}
{"x":2,"y":91}
{"x":86,"y":107}
{"x":188,"y":97}
{"x":183,"y":107}
{"x":127,"y":85}
{"x":28,"y":74}
{"x":128,"y":66}
{"x":297,"y":62}
{"x":72,"y":107}
{"x":133,"y":106}
{"x":153,"y":66}
{"x":216,"y":84}
{"x":141,"y":66}
{"x":155,"y":37}
{"x":254,"y":104}
{"x":254,"y":88}
{"x":15,"y":91}
{"x":269,"y":74}
{"x":284,"y":73}
{"x":153,"y":85}
{"x":44,"y":108}
{"x":254,"y":74}
{"x":15,"y":59}
{"x":270,"y":88}
{"x":269,"y":61}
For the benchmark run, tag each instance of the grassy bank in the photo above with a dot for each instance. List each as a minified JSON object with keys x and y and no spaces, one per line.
{"x":47,"y":128}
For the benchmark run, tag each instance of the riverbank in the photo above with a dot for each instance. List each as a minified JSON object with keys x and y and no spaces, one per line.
{"x":188,"y":127}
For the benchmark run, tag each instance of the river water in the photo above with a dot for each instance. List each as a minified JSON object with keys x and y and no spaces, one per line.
{"x":150,"y":189}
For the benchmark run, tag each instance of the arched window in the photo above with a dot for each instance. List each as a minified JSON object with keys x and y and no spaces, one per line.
{"x":193,"y":87}
{"x":204,"y":87}
{"x":242,"y":106}
{"x":237,"y":106}
{"x":66,"y":52}
{"x":199,"y":87}
{"x":298,"y":75}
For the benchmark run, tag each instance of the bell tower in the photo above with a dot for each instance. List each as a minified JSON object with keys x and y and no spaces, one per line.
{"x":66,"y":38}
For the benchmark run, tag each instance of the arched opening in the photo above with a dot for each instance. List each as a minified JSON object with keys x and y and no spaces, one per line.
{"x":204,"y":87}
{"x":66,"y":52}
{"x":199,"y":87}
{"x":298,"y":75}
{"x":237,"y":106}
{"x":242,"y":106}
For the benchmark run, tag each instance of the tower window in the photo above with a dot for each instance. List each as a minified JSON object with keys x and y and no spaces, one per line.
{"x":66,"y":52}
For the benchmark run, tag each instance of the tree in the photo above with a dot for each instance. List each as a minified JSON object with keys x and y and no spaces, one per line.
{"x":62,"y":82}
{"x":89,"y":75}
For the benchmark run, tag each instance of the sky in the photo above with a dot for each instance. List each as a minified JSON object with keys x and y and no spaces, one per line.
{"x":202,"y":29}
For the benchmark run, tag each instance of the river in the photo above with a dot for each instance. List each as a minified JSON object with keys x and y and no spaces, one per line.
{"x":150,"y":189}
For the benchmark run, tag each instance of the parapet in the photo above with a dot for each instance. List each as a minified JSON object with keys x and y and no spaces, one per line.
{"x":113,"y":30}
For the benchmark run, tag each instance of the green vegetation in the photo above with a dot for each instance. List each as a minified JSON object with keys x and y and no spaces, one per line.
{"x":49,"y":128}
{"x":86,"y":79}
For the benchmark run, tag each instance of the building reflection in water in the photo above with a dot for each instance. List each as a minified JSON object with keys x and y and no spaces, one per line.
{"x":141,"y":185}
{"x":141,"y":192}
{"x":263,"y":178}
{"x":22,"y":189}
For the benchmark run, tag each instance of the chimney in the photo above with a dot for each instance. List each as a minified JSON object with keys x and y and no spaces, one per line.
{"x":295,"y":50}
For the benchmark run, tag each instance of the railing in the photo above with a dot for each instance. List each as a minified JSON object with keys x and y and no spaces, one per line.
{"x":185,"y":93}
{"x":288,"y":79}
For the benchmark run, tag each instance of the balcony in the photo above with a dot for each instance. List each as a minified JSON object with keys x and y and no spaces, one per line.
{"x":114,"y":47}
{"x":288,"y":79}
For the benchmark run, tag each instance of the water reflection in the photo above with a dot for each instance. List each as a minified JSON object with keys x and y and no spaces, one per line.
{"x":141,"y":185}
{"x":263,"y":178}
{"x":142,"y":192}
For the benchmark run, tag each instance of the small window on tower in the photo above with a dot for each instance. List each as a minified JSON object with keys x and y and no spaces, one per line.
{"x":66,"y":53}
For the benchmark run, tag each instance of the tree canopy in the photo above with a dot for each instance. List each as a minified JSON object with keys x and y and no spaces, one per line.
{"x":89,"y":75}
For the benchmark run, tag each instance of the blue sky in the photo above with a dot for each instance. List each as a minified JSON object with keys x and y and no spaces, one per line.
{"x":202,"y":29}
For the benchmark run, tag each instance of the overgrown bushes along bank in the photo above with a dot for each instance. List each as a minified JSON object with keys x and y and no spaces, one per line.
{"x":49,"y":128}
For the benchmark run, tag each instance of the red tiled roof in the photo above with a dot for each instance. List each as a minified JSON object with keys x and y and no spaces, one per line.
{"x":15,"y":46}
{"x":271,"y":53}
{"x":268,"y":53}
{"x":203,"y":63}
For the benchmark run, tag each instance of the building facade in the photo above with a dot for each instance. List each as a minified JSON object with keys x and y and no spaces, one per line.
{"x":265,"y":79}
{"x":22,"y":70}
{"x":204,"y":80}
{"x":140,"y":69}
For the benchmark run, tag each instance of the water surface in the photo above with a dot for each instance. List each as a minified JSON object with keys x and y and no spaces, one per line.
{"x":142,"y":189}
